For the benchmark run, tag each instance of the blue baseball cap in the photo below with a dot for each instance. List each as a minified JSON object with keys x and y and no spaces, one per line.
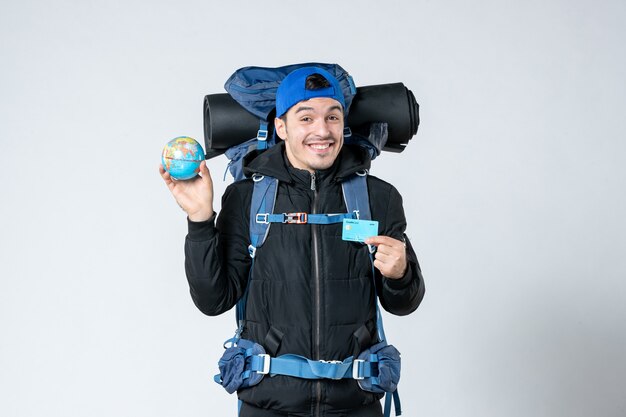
{"x":292,"y":89}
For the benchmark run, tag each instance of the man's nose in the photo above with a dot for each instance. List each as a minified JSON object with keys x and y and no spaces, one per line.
{"x":321,"y":128}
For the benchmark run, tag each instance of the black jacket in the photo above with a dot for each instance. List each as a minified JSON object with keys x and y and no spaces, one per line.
{"x":311,"y":293}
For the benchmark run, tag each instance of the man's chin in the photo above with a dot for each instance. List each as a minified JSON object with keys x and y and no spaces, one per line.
{"x":325,"y":163}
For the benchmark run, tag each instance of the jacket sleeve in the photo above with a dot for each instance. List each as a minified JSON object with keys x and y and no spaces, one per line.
{"x":217,"y":262}
{"x":400,"y":296}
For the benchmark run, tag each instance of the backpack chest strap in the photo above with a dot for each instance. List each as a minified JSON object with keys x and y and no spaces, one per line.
{"x":304,"y":218}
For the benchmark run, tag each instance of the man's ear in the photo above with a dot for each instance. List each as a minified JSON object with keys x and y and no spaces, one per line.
{"x":281,"y":128}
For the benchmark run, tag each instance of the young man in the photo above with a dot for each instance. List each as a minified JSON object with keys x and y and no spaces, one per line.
{"x":310,"y":293}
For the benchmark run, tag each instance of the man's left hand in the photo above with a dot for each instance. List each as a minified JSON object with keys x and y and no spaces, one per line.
{"x":390,"y":258}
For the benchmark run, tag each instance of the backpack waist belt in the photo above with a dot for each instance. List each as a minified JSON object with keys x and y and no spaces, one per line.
{"x":377,"y":369}
{"x":301,"y":367}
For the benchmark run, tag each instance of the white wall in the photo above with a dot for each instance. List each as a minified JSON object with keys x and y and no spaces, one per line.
{"x":511,"y":187}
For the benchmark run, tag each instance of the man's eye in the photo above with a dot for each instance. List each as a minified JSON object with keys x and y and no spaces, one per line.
{"x":306,"y":119}
{"x":333,"y":117}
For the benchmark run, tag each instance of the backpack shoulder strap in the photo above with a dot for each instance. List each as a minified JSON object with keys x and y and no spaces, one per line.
{"x":356,"y":196}
{"x":263,"y":200}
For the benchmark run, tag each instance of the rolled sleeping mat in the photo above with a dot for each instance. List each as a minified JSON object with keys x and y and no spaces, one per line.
{"x":227,"y":124}
{"x":393,"y":104}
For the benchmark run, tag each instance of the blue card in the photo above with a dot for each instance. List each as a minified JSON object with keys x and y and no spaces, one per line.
{"x":359,"y":230}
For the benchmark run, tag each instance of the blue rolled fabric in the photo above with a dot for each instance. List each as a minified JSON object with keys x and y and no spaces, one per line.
{"x":388,"y":359}
{"x":233,"y":364}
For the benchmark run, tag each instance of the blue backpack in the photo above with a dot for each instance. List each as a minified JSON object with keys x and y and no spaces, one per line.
{"x":254,"y":88}
{"x":245,"y":363}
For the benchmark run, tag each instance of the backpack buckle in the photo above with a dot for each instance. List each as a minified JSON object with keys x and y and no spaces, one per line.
{"x":262,"y":218}
{"x":266,"y":364}
{"x":355,"y":369}
{"x":261,"y":134}
{"x":295,"y":218}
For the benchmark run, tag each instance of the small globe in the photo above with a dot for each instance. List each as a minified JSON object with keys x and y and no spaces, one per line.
{"x":181,"y":157}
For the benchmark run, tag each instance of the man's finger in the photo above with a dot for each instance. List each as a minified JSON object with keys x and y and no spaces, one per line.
{"x":204,"y":172}
{"x":380,"y":265}
{"x":203,"y":168}
{"x":384,"y":240}
{"x":378,"y":240}
{"x":385,"y":257}
{"x":166,"y":176}
{"x":388,"y":250}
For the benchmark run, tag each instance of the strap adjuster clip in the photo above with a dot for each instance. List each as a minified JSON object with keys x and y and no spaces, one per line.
{"x":261,"y":134}
{"x":266,"y":364}
{"x":295,"y":218}
{"x":262,"y":218}
{"x":355,"y":369}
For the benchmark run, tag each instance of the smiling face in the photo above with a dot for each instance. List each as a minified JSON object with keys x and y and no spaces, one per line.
{"x":313,"y":133}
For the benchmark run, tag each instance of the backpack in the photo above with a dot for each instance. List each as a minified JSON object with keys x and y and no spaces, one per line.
{"x":244,"y":363}
{"x":254,"y":88}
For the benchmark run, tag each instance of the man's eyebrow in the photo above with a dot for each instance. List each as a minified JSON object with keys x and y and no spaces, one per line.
{"x":336,"y":107}
{"x":306,"y":108}
{"x":303,"y":108}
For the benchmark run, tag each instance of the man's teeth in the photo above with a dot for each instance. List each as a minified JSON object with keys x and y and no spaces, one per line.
{"x":324,"y":146}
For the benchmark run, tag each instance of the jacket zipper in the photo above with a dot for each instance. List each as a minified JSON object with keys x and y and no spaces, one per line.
{"x":317,"y":278}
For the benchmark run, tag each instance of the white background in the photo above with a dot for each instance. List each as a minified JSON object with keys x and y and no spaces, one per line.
{"x":513,"y":187}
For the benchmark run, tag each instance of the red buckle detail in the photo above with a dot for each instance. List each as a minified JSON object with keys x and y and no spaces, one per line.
{"x":295,"y":218}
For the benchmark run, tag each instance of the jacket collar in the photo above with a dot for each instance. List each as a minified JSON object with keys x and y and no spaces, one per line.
{"x":274,"y":163}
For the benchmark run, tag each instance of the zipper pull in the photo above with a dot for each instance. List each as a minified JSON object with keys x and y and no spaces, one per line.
{"x":313,"y":186}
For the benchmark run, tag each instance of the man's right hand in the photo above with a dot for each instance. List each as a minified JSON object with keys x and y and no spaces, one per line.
{"x":194,"y":196}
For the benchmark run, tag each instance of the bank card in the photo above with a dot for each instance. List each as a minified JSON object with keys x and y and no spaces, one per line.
{"x":359,"y":230}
